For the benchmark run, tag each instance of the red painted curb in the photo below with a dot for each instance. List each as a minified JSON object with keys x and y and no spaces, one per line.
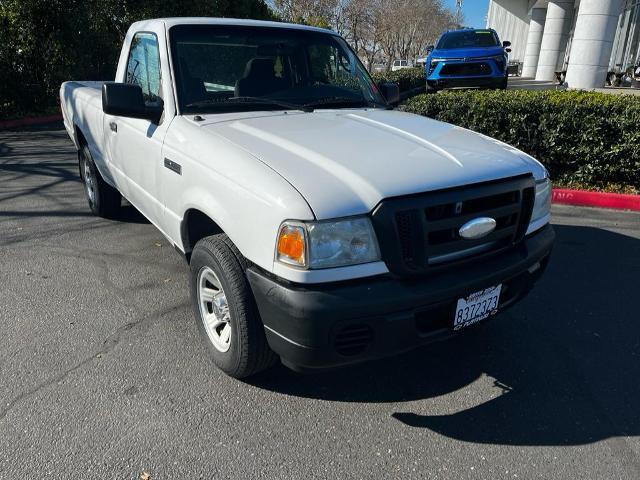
{"x":583,"y":198}
{"x":23,"y":122}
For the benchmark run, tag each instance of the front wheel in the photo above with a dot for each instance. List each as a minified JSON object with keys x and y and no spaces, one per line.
{"x":103,"y":199}
{"x":226,"y":313}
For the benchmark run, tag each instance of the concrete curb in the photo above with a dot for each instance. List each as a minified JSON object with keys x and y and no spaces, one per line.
{"x":24,"y":122}
{"x":583,"y":198}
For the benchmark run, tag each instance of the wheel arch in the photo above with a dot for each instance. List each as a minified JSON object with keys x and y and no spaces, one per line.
{"x":80,"y":137}
{"x":195,"y":226}
{"x":79,"y":141}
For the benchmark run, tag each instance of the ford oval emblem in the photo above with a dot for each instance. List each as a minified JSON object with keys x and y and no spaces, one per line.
{"x":477,"y":228}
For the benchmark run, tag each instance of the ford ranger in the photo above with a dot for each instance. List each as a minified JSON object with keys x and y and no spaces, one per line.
{"x":321,"y":226}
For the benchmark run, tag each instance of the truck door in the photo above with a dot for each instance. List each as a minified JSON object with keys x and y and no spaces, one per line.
{"x":136,"y":144}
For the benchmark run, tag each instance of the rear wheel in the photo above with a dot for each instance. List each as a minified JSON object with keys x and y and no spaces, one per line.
{"x":225,"y":310}
{"x":103,"y":199}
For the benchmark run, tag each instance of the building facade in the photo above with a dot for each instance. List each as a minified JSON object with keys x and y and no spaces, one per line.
{"x":588,"y":39}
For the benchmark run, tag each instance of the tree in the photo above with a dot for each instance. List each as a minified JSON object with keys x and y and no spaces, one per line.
{"x":320,"y":13}
{"x":376,"y":29}
{"x":45,"y":42}
{"x":410,"y":26}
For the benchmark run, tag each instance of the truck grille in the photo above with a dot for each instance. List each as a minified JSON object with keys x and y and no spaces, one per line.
{"x":481,"y":68}
{"x":420,"y":233}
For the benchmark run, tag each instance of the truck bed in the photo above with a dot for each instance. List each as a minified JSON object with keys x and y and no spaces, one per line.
{"x":81,"y":105}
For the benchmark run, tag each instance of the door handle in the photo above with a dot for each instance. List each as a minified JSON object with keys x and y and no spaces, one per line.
{"x":113,"y":126}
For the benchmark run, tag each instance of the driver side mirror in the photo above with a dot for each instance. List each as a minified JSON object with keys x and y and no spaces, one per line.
{"x":506,"y":44}
{"x":126,"y":100}
{"x":430,"y":49}
{"x":391,"y":92}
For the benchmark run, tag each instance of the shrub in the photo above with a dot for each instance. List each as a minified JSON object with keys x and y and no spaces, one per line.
{"x":407,"y":78}
{"x":581,"y":137}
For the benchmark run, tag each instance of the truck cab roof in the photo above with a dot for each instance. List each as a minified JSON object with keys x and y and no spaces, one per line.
{"x":173,"y":21}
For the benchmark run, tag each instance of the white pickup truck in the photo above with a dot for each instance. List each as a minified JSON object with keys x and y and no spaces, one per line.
{"x":321,"y":226}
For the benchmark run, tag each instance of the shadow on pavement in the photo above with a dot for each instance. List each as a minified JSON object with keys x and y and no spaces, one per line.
{"x":129,"y":214}
{"x":564,"y":363}
{"x":40,"y":158}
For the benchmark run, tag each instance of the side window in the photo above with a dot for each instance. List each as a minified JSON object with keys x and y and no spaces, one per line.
{"x":143,"y":66}
{"x":329,"y":65}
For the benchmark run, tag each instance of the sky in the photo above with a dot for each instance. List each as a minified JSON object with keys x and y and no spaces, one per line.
{"x":474,"y":11}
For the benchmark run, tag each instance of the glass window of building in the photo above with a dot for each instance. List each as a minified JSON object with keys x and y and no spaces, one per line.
{"x":626,"y":50}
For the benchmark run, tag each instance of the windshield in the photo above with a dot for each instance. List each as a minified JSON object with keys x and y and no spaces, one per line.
{"x":468,"y":39}
{"x":231,"y":68}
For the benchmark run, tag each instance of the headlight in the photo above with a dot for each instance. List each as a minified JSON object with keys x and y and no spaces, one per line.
{"x":542,"y":205}
{"x":327,"y":244}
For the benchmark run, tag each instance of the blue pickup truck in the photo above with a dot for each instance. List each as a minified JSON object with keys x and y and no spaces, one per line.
{"x":467,"y":58}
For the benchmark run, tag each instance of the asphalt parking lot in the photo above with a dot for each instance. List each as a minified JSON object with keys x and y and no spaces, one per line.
{"x":103,"y":375}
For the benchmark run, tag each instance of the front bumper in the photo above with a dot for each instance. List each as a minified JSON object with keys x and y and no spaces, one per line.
{"x":328,"y":325}
{"x":471,"y":82}
{"x":456,"y":73}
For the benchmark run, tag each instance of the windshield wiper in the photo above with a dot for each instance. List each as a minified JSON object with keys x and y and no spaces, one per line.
{"x":307,"y":107}
{"x":346,"y":101}
{"x":250,"y":100}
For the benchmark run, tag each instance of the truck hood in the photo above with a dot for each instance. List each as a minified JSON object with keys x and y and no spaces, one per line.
{"x":344,"y":162}
{"x":473,"y":52}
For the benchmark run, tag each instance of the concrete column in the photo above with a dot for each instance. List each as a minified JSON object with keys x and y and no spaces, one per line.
{"x":534,"y":40}
{"x":593,"y":42}
{"x":554,"y":38}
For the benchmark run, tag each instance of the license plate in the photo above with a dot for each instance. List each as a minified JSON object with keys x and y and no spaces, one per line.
{"x":476,"y":307}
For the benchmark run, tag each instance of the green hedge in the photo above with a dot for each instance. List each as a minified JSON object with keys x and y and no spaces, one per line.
{"x":407,"y":78}
{"x":581,"y":137}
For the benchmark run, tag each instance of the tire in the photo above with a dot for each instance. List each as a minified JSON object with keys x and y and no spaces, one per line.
{"x":103,"y":199}
{"x":503,"y":84}
{"x":431,"y":88}
{"x":229,"y":324}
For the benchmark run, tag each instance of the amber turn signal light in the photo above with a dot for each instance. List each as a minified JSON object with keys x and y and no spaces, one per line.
{"x":291,"y":245}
